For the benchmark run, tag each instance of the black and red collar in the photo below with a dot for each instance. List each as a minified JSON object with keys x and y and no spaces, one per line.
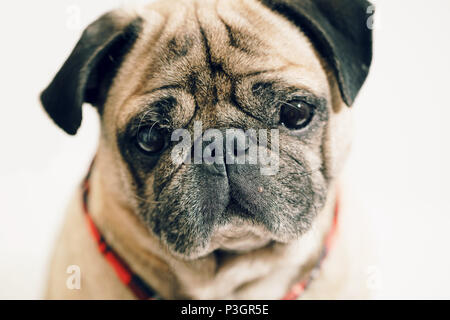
{"x":142,"y":291}
{"x":123,"y":271}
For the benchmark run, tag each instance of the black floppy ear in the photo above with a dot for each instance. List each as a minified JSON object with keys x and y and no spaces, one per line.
{"x":88,"y":72}
{"x":340,"y":31}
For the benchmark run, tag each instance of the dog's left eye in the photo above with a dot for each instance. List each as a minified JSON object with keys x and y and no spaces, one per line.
{"x":151,"y":139}
{"x":296,"y":114}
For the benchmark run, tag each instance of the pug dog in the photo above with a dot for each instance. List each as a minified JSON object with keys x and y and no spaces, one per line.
{"x":188,"y":230}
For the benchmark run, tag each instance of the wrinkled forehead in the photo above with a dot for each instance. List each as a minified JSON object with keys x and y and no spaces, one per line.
{"x":201,"y":49}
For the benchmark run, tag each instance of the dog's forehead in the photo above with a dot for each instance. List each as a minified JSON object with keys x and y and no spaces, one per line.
{"x":203,"y":47}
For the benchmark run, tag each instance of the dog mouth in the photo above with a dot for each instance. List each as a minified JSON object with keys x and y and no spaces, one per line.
{"x":235,"y":209}
{"x":238,"y":234}
{"x":238,"y":240}
{"x":240,"y":212}
{"x":235,"y":229}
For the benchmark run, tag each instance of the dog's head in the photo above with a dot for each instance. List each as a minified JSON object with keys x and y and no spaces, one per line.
{"x":289,"y":65}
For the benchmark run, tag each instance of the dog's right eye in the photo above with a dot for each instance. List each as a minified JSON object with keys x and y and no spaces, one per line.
{"x":151,"y":139}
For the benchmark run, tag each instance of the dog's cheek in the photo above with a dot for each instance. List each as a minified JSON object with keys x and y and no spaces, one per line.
{"x":305,"y":189}
{"x":302,"y":184}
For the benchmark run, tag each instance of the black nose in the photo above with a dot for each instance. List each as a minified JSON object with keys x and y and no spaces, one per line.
{"x":234,"y":150}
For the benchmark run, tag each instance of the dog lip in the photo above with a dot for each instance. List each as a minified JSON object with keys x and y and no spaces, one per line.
{"x":238,"y":238}
{"x":236,"y":209}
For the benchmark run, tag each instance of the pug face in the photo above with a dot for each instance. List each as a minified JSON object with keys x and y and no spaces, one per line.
{"x":227,"y":65}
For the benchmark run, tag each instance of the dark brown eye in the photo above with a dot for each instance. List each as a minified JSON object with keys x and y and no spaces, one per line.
{"x":151,"y":139}
{"x":296,"y":114}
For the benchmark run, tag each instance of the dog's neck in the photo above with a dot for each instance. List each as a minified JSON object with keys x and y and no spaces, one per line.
{"x":265,"y":273}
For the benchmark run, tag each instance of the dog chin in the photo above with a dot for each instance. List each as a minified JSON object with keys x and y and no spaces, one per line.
{"x":239,"y":238}
{"x":235,"y":237}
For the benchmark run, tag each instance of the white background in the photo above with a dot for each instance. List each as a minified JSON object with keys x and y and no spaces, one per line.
{"x":399,"y":166}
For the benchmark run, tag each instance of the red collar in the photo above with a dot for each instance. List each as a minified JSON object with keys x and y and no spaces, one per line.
{"x":300,"y":287}
{"x":144,"y":292}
